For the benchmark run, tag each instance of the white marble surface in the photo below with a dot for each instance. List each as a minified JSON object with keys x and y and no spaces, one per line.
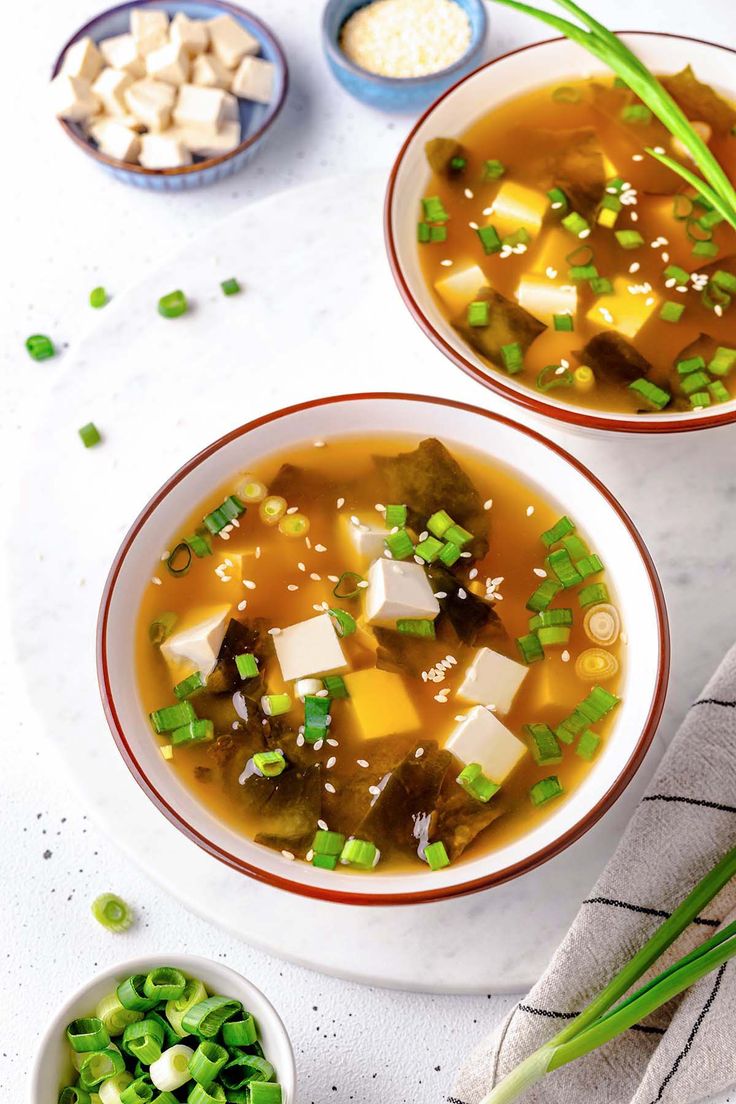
{"x":352,"y":1043}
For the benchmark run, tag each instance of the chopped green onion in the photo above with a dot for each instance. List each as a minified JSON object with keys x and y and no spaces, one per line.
{"x":439,"y":523}
{"x":230,"y":286}
{"x":214,"y":1094}
{"x":161,"y":627}
{"x":225,"y":514}
{"x":434,"y":209}
{"x":489,"y":239}
{"x":629,"y":239}
{"x":325,"y":862}
{"x":568,"y":729}
{"x":270,"y":763}
{"x":395,"y":516}
{"x":566,"y":94}
{"x":247,"y":665}
{"x":416,"y":626}
{"x":240,"y":1033}
{"x":519,"y":237}
{"x":637,"y":114}
{"x":563,"y":323}
{"x":41,"y":347}
{"x":458,"y":164}
{"x":691,"y":364}
{"x":671,"y":311}
{"x":144,"y":1040}
{"x":560,"y":564}
{"x":294,"y":525}
{"x":450,"y":554}
{"x":512,"y":356}
{"x":696,"y":381}
{"x":272,"y":509}
{"x":725,"y":281}
{"x":600,"y":285}
{"x":335,"y":686}
{"x":74,"y":1094}
{"x":576,"y":224}
{"x":435,"y":855}
{"x":360,"y":853}
{"x":705,"y":249}
{"x":723,"y":361}
{"x":544,"y":594}
{"x":112,"y":912}
{"x":479,"y":312}
{"x":114,"y":1087}
{"x":583,"y":272}
{"x":548,"y":617}
{"x":430,"y":548}
{"x":400,"y":544}
{"x":558,"y":200}
{"x":457,"y":535}
{"x":316,"y":710}
{"x":196,"y":732}
{"x":206,"y":1018}
{"x":592,"y":595}
{"x":347,"y":585}
{"x":699,"y":399}
{"x":344,"y":622}
{"x":131,"y":995}
{"x":194,"y":992}
{"x":328,"y":843}
{"x":676,"y":273}
{"x":493,"y":169}
{"x":139,"y":1091}
{"x":243,"y":1071}
{"x":428,"y":233}
{"x":87,"y":1034}
{"x":545,"y":790}
{"x":553,"y":634}
{"x":99,"y":1066}
{"x":718,"y":392}
{"x":265,"y":1092}
{"x":544,"y":745}
{"x":275,"y":705}
{"x":199,"y":544}
{"x":597,"y":704}
{"x":90,"y":435}
{"x":589,"y":565}
{"x":653,"y":396}
{"x":98,"y":297}
{"x":110,"y":1011}
{"x":172,"y":716}
{"x":530,"y":648}
{"x":575,"y":546}
{"x":164,"y":983}
{"x":173,"y":305}
{"x":554,"y":375}
{"x":207,"y":1061}
{"x":588,"y":745}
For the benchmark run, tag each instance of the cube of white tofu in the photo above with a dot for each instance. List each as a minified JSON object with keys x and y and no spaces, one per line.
{"x":396,"y":590}
{"x":481,"y":738}
{"x":82,"y":59}
{"x":192,"y":34}
{"x":231,"y":108}
{"x":114,"y":139}
{"x":544,"y":298}
{"x":151,"y":102}
{"x":121,"y":52}
{"x":209,"y":72}
{"x":72,"y":98}
{"x":230,"y":41}
{"x":516,"y":206}
{"x":254,"y":80}
{"x":170,"y":63}
{"x":492,"y":679}
{"x":461,"y":287}
{"x":207,"y":141}
{"x":200,"y":106}
{"x":110,"y":87}
{"x":150,"y":29}
{"x":309,"y":648}
{"x":196,"y":645}
{"x":364,"y":542}
{"x":163,"y":151}
{"x":624,"y":310}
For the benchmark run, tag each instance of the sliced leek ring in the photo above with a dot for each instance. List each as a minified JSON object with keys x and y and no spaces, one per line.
{"x":602,"y":624}
{"x":596,"y":665}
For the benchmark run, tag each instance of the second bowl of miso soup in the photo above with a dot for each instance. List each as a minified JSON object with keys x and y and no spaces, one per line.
{"x":553,"y":258}
{"x":386,"y":648}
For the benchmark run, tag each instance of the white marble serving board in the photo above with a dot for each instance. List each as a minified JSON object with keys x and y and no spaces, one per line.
{"x":319,"y":314}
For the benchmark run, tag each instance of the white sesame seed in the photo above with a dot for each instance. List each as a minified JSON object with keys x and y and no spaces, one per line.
{"x":540,"y":572}
{"x":292,"y":586}
{"x":315,"y":577}
{"x":164,"y":556}
{"x":155,"y":580}
{"x":330,"y":762}
{"x":363,"y":584}
{"x":318,"y":744}
{"x":334,"y":578}
{"x":419,"y":753}
{"x":473,"y":225}
{"x":309,"y":855}
{"x":330,"y":788}
{"x":323,"y":825}
{"x":249,"y":584}
{"x":473,"y":573}
{"x":242,"y":605}
{"x":319,"y":548}
{"x":307,"y":542}
{"x":274,"y":632}
{"x":374,"y":790}
{"x":529,"y":511}
{"x":340,"y":503}
{"x":637,"y":157}
{"x":319,"y":444}
{"x":362,"y":762}
{"x":447,"y":263}
{"x":565,"y":657}
{"x":441,"y":594}
{"x":331,"y":742}
{"x":258,"y":551}
{"x":288,"y":855}
{"x":317,"y":606}
{"x":468,"y":193}
{"x":551,"y":272}
{"x":487,"y":504}
{"x":633,"y":216}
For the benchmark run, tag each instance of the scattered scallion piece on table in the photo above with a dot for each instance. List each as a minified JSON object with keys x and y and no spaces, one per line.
{"x":112,"y":912}
{"x":90,"y":435}
{"x":98,"y":297}
{"x":230,"y":286}
{"x":40,"y":347}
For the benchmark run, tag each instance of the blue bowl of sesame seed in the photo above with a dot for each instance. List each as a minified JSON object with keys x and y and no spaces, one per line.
{"x":399,"y":55}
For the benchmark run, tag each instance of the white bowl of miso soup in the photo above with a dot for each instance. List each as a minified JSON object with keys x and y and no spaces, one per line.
{"x":551,"y":257}
{"x":382,"y":649}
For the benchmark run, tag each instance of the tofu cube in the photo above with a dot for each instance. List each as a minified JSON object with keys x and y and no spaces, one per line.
{"x":209,"y":72}
{"x":151,"y":102}
{"x":492,"y":679}
{"x":200,"y":106}
{"x":207,"y":141}
{"x":544,"y":298}
{"x":551,"y":252}
{"x":121,"y":52}
{"x":481,"y":738}
{"x":231,"y":109}
{"x":114,"y":139}
{"x":170,"y":63}
{"x":254,"y":80}
{"x":461,"y":287}
{"x":309,"y":648}
{"x":363,"y":543}
{"x":397,"y":589}
{"x":515,"y":206}
{"x":382,"y":704}
{"x":110,"y":88}
{"x":196,"y":645}
{"x":150,"y":29}
{"x":230,"y":41}
{"x":622,"y":310}
{"x":163,"y":151}
{"x":82,"y":60}
{"x":73,"y":99}
{"x":192,"y":34}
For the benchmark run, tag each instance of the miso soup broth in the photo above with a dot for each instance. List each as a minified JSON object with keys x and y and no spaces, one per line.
{"x":379,"y":650}
{"x":572,"y":261}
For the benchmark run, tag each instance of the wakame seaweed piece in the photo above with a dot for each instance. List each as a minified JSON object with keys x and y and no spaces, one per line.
{"x":622,"y":141}
{"x":299,"y":484}
{"x":408,"y":797}
{"x":430,"y":479}
{"x":440,"y":153}
{"x":571,"y":160}
{"x":460,"y":819}
{"x":700,"y":102}
{"x":508,"y":324}
{"x":406,"y":655}
{"x":239,"y":637}
{"x":287,"y":807}
{"x":613,"y":358}
{"x":473,"y":619}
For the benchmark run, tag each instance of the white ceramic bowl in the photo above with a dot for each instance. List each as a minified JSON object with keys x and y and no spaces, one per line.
{"x":52,"y":1068}
{"x":450,"y":115}
{"x":560,"y":477}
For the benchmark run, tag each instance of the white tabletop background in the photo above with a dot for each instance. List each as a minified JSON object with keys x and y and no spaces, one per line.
{"x":65,"y":227}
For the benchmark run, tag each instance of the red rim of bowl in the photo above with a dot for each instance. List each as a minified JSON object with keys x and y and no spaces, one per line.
{"x":272,"y":114}
{"x":492,"y":380}
{"x":406,"y":898}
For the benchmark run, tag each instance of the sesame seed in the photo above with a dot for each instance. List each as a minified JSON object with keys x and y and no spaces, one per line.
{"x":155,"y":580}
{"x":288,"y":855}
{"x":540,"y":572}
{"x":315,"y":577}
{"x":375,"y":790}
{"x":461,"y":593}
{"x":292,"y":586}
{"x":308,"y":542}
{"x":301,"y":566}
{"x":419,"y":753}
{"x":249,"y":584}
{"x":340,"y":503}
{"x":258,"y":551}
{"x":565,"y":657}
{"x":274,"y":632}
{"x":164,"y":556}
{"x":551,"y":272}
{"x":447,"y":263}
{"x":334,"y":578}
{"x":319,"y":444}
{"x":309,"y":855}
{"x":466,"y":555}
{"x":318,"y":745}
{"x":441,"y":697}
{"x":330,"y":788}
{"x":637,"y":157}
{"x":473,"y":225}
{"x":362,"y":762}
{"x":363,"y":584}
{"x":323,"y":825}
{"x":473,"y":573}
{"x":441,"y":594}
{"x":487,"y":210}
{"x":331,"y":742}
{"x":330,"y":762}
{"x":319,"y":548}
{"x":355,"y":521}
{"x":317,"y":606}
{"x":322,"y":694}
{"x":468,"y":193}
{"x":633,"y":216}
{"x":487,"y":504}
{"x":242,"y":605}
{"x":529,"y":511}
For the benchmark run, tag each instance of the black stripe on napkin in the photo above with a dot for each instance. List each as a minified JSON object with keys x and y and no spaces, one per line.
{"x":571,"y":1016}
{"x":699,"y":801}
{"x":645,"y":911}
{"x":691,"y":1037}
{"x":455,"y":1100}
{"x":715,"y":701}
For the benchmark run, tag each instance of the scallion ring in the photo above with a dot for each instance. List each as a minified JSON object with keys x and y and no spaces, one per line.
{"x":87,"y":1033}
{"x":164,"y":983}
{"x":114,"y":1016}
{"x":347,"y":585}
{"x":554,"y":375}
{"x":180,"y":559}
{"x":161,"y":627}
{"x":207,"y":1061}
{"x":131,"y":995}
{"x":206,"y":1018}
{"x":112,"y":912}
{"x":240,"y":1033}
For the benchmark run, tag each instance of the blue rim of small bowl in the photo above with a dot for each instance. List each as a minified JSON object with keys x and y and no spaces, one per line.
{"x":274,"y":109}
{"x":334,"y":51}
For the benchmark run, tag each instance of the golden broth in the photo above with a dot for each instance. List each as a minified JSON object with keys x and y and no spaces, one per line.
{"x":468,"y":200}
{"x":286,"y":580}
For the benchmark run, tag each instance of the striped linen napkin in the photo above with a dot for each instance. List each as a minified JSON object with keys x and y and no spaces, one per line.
{"x":684,"y":824}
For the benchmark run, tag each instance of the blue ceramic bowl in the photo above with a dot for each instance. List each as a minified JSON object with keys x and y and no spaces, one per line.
{"x":255,"y":119}
{"x":393,"y":93}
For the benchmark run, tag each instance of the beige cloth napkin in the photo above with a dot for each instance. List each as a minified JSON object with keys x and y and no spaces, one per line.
{"x":684,"y":824}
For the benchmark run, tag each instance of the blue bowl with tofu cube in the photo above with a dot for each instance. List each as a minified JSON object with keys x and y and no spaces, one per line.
{"x":170,"y":95}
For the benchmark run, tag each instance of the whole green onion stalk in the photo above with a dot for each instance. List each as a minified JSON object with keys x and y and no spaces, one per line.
{"x":716,"y":188}
{"x":608,"y":1015}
